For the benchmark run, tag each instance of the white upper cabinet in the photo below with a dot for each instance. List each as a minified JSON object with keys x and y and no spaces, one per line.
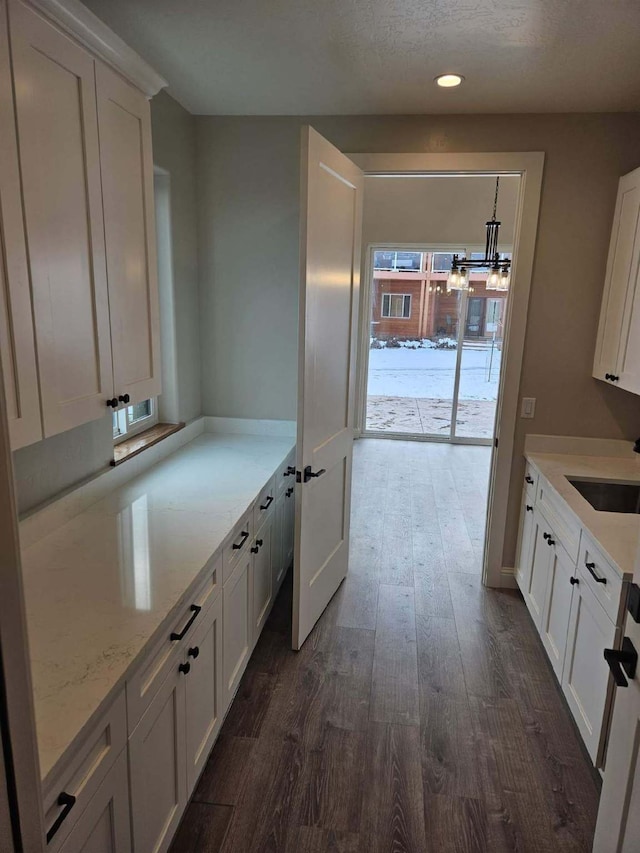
{"x":54,"y":89}
{"x":79,"y":319}
{"x":617,"y":357}
{"x":124,"y":124}
{"x":17,"y":347}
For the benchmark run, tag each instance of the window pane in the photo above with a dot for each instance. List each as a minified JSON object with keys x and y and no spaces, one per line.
{"x":408,"y":260}
{"x":407,"y":307}
{"x":441,"y":261}
{"x":139,"y":412}
{"x":385,"y":305}
{"x":383,"y":260}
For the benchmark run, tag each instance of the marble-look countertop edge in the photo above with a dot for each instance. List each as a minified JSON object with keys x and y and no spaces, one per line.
{"x":539,"y":458}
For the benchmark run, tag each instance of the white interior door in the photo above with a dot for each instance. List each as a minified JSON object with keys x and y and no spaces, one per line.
{"x":331,"y":225}
{"x":618,"y":827}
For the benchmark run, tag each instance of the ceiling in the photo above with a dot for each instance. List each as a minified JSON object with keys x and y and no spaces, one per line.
{"x":324,"y":57}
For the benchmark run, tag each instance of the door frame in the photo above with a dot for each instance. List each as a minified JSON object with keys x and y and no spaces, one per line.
{"x":528,"y":165}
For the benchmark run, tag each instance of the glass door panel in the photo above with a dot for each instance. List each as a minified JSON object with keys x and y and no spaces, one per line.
{"x":414,"y":334}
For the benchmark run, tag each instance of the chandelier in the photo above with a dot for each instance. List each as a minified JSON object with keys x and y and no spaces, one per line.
{"x":499,"y":268}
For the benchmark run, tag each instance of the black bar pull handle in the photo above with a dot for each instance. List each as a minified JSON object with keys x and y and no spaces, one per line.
{"x":237,"y":545}
{"x":529,"y":480}
{"x":267,"y":503}
{"x":625,"y":659}
{"x":195,"y":609}
{"x":591,"y":567}
{"x":67,"y":801}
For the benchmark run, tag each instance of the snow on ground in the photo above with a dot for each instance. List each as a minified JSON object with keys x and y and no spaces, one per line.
{"x":424,"y":373}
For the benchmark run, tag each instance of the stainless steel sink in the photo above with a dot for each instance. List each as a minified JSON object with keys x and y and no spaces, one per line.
{"x":609,"y":497}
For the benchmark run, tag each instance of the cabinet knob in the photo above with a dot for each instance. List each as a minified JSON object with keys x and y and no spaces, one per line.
{"x":529,"y":508}
{"x":573,"y":581}
{"x":185,"y":668}
{"x":193,"y":652}
{"x":124,"y":398}
{"x":529,"y":480}
{"x":289,"y":491}
{"x":113,"y":403}
{"x":254,"y":549}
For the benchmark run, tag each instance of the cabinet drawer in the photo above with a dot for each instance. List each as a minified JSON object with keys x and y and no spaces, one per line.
{"x":265,"y":504}
{"x":84,"y":775}
{"x":530,"y":481}
{"x":286,"y":475}
{"x":603,"y":580}
{"x":148,"y":678}
{"x":565,"y":527}
{"x":237,"y":545}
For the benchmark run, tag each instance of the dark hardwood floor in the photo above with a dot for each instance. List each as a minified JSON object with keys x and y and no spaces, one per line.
{"x":421,"y":714}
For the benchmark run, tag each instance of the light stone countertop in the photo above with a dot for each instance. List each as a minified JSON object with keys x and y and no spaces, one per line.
{"x":100,"y":587}
{"x":617,"y":534}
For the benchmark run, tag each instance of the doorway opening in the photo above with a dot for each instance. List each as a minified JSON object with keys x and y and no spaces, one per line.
{"x":433,"y":365}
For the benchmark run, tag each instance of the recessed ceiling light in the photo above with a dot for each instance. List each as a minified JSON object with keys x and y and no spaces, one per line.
{"x":449,"y":81}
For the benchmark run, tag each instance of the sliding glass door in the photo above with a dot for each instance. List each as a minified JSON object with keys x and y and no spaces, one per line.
{"x":434,"y":356}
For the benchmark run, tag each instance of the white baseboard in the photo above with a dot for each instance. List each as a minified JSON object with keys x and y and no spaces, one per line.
{"x":250,"y":426}
{"x":508,"y":578}
{"x":61,"y":509}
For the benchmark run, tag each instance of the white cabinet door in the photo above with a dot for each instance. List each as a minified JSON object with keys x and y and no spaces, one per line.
{"x":104,"y":826}
{"x":126,"y":162}
{"x":58,"y":143}
{"x":237,"y":618}
{"x":618,"y":827}
{"x":17,"y":346}
{"x":536,"y":589}
{"x":157,"y":753}
{"x":613,"y":343}
{"x":557,"y":606}
{"x":524,"y":553}
{"x":263,"y":550}
{"x":585,"y":675}
{"x":203,"y":691}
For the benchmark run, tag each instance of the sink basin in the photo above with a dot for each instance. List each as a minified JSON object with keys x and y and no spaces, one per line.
{"x":609,"y":497}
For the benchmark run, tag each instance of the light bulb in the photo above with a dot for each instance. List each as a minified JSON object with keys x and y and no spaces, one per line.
{"x":453,"y":281}
{"x":493,"y":279}
{"x":505,"y":280}
{"x":464,"y":279}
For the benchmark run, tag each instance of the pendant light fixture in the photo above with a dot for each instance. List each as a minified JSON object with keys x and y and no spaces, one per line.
{"x":499,"y":268}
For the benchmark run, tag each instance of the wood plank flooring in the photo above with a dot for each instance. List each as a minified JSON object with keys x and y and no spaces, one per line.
{"x":420,"y":715}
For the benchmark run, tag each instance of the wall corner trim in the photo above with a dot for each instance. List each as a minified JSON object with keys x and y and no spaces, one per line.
{"x":94,"y":34}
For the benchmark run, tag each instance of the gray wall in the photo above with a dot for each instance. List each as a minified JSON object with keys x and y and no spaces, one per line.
{"x":437,"y":210}
{"x":248,"y":225}
{"x":46,"y":469}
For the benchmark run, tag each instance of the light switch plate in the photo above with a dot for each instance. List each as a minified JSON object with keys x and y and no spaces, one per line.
{"x":528,"y":407}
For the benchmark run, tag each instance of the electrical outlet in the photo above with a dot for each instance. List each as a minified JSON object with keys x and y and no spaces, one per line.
{"x":528,"y":407}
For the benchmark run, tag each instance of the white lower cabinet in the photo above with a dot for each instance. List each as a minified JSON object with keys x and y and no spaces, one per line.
{"x":585,"y":678}
{"x":264,"y":557}
{"x":237,"y":618}
{"x":157,"y":758}
{"x":577,"y":609}
{"x":104,"y":826}
{"x":175,"y":698}
{"x":203,"y":692}
{"x":536,"y":588}
{"x":557,"y":606}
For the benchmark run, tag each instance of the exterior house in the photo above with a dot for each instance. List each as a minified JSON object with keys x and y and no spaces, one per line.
{"x":410,"y":299}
